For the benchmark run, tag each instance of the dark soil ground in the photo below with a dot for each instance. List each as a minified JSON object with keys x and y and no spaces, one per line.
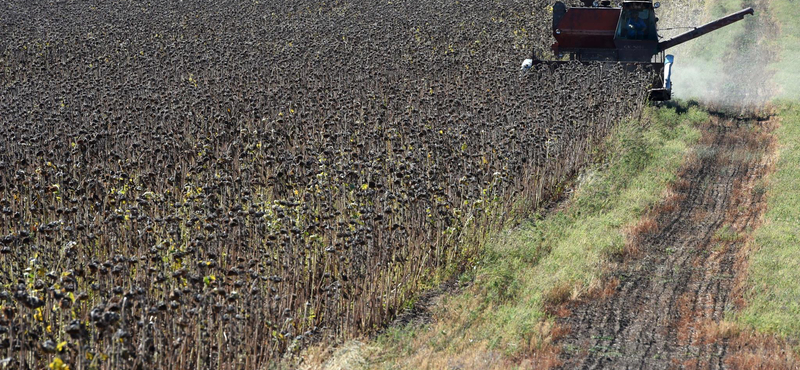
{"x":663,"y":306}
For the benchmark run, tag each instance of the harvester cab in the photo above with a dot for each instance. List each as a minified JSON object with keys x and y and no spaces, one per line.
{"x":626,"y":33}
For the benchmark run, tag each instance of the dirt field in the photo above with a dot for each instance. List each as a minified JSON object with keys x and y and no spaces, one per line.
{"x":665,"y":304}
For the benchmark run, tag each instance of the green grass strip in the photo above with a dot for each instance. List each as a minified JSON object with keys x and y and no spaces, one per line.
{"x":774,"y":271}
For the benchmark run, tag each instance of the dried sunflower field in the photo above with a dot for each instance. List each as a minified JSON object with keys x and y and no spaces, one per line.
{"x":214,"y":184}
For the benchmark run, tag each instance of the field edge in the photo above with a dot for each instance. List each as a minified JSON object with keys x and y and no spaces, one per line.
{"x":503,"y":315}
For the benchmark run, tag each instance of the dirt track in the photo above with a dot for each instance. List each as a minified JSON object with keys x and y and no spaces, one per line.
{"x":661,"y":308}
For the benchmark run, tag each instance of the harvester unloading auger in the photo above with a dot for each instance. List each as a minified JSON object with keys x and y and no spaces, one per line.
{"x":628,"y":34}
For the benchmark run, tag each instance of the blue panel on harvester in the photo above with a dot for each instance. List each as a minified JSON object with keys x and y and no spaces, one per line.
{"x":668,"y":71}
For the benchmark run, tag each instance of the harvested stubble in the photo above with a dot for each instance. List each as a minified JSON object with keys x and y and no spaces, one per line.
{"x":210,"y":185}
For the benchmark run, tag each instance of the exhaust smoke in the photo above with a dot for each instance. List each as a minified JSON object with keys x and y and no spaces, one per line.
{"x":731,"y":67}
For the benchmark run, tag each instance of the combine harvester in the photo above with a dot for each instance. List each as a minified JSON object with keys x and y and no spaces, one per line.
{"x":627,"y":33}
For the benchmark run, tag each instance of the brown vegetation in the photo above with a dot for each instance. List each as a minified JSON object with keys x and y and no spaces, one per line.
{"x":213,"y":184}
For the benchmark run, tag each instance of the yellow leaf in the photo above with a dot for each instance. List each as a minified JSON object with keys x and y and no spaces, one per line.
{"x":57,"y":364}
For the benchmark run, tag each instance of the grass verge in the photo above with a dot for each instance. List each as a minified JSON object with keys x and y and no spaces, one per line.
{"x":773,"y":296}
{"x":501,"y":318}
{"x":787,"y":71}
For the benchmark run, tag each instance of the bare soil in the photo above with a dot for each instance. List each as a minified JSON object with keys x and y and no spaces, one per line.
{"x":664,"y":304}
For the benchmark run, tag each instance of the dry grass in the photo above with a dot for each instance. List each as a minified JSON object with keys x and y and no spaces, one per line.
{"x":609,"y":288}
{"x":635,"y":237}
{"x":348,"y":356}
{"x":558,"y":294}
{"x":751,"y":350}
{"x":672,"y":198}
{"x":710,"y":331}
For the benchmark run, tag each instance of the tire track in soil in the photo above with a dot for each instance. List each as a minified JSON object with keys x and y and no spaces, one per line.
{"x":663,"y":305}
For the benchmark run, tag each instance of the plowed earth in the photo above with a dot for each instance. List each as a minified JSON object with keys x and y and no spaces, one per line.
{"x":663,"y":306}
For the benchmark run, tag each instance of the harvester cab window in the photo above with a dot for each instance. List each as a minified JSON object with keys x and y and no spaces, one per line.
{"x":637,"y":25}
